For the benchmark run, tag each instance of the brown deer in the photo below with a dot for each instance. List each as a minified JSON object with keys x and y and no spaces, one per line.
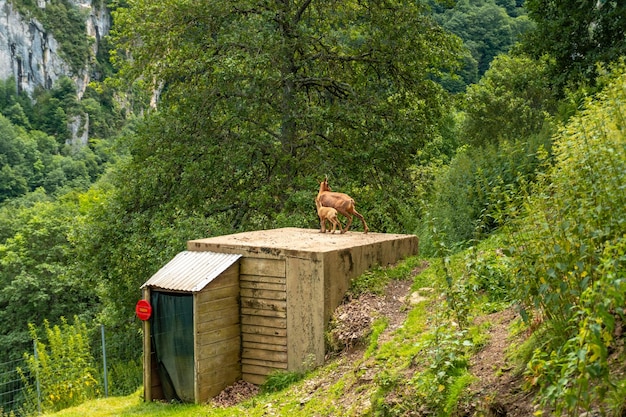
{"x":341,"y":202}
{"x":327,"y":214}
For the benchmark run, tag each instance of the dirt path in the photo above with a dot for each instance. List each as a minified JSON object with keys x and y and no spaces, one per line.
{"x":497,"y":387}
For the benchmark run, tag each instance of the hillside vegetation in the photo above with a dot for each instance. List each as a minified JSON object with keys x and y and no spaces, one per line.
{"x":222,"y":117}
{"x":558,"y":267}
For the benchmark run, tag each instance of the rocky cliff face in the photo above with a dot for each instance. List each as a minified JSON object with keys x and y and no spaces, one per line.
{"x":31,"y":55}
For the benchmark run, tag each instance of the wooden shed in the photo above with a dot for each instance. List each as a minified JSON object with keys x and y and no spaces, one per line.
{"x":287,"y":282}
{"x":291,"y":281}
{"x":192,"y":342}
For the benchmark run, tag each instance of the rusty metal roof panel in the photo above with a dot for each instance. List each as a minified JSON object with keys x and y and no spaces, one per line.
{"x":191,"y":271}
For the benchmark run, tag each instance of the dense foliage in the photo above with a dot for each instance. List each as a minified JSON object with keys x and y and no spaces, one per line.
{"x":43,"y":173}
{"x":38,"y":277}
{"x":570,"y":251}
{"x":37,"y":148}
{"x":488,"y":28}
{"x":576,"y":36}
{"x":512,"y":101}
{"x":505,"y":135}
{"x":268,"y":98}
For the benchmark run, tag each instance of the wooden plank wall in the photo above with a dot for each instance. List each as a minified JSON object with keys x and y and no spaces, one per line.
{"x":263,"y":317}
{"x":217,"y":337}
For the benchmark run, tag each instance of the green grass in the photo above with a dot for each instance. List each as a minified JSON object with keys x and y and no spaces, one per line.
{"x":375,"y":280}
{"x":131,"y":405}
{"x":406,"y":341}
{"x":379,"y":326}
{"x":280,"y":380}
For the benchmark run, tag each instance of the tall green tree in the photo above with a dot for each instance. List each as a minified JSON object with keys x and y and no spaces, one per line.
{"x":511,"y":102}
{"x":257,"y":98}
{"x":256,"y":101}
{"x":38,"y":277}
{"x":577,"y":35}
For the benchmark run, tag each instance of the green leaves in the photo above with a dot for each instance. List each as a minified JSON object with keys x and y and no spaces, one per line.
{"x":511,"y":102}
{"x":63,"y":366}
{"x":570,"y":253}
{"x":262,"y":94}
{"x":38,"y":277}
{"x":487,"y":30}
{"x":576,"y":37}
{"x":482,"y":189}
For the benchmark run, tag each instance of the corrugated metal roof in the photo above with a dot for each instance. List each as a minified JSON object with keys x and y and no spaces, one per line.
{"x":191,"y":271}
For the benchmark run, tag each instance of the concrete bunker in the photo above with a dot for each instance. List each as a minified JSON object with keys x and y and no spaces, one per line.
{"x":264,"y":308}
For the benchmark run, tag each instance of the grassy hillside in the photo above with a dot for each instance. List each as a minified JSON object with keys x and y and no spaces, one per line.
{"x":418,"y":335}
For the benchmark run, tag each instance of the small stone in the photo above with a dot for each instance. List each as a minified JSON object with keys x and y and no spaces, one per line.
{"x":415,"y":298}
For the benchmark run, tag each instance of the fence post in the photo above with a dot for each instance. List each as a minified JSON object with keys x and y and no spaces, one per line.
{"x":104,"y":363}
{"x":37,"y":376}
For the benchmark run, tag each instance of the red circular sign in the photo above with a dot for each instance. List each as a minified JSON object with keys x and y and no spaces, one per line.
{"x":143,"y":309}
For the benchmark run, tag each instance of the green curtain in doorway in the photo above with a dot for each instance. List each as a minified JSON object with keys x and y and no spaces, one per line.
{"x":172,"y":336}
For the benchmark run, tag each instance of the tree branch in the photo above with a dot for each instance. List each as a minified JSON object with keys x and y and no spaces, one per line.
{"x":302,"y":9}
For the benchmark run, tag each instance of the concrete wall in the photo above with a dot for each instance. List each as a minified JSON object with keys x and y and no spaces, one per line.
{"x":343,"y":265}
{"x":305,"y":312}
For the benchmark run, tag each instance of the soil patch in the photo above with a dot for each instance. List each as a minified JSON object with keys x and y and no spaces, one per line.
{"x":352,"y":321}
{"x":235,"y":393}
{"x":498,"y":388}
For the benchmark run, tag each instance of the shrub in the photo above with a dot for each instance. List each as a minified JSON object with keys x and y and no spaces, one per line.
{"x":571,"y":254}
{"x":490,"y":274}
{"x":63,"y":368}
{"x":478,"y":191}
{"x":125,"y":377}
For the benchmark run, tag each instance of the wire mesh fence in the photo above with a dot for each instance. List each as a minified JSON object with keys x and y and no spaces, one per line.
{"x":12,"y":393}
{"x":20,"y":383}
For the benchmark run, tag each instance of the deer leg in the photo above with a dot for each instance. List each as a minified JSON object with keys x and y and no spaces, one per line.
{"x":338,"y":224}
{"x":356,"y":213}
{"x":322,"y":225}
{"x":349,"y":217}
